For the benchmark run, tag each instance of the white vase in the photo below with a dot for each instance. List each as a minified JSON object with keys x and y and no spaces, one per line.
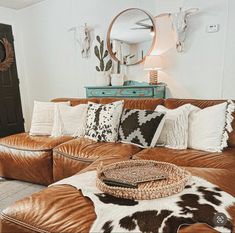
{"x":117,"y":79}
{"x":102,"y":78}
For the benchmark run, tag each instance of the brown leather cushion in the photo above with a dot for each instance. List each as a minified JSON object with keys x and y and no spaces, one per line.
{"x":64,"y":209}
{"x":28,"y":158}
{"x":73,"y":156}
{"x":32,"y":143}
{"x":148,"y":104}
{"x":175,"y":103}
{"x":191,"y":158}
{"x":76,"y":101}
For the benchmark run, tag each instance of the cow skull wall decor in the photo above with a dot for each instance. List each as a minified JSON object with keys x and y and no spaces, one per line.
{"x":82,"y":35}
{"x":179,"y":22}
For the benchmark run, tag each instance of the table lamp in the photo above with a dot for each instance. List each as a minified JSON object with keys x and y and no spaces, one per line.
{"x":153,"y":63}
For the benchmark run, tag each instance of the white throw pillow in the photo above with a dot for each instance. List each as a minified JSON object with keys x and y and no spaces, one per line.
{"x":69,"y":121}
{"x":174,"y":134}
{"x":103,"y":121}
{"x":43,"y":117}
{"x":209,"y":127}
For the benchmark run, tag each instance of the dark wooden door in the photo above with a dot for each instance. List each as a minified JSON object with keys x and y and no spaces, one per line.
{"x":11,"y":117}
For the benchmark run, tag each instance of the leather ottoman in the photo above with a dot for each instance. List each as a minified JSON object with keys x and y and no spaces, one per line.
{"x":63,"y":208}
{"x":28,"y":158}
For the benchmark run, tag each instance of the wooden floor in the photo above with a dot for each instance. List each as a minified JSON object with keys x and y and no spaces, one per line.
{"x":13,"y":190}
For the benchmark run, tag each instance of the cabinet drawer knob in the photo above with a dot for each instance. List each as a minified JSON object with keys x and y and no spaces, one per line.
{"x":134,"y":92}
{"x":103,"y":92}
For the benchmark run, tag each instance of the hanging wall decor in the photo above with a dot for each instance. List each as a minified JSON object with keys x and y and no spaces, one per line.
{"x":9,"y":55}
{"x":82,"y":36}
{"x":179,"y":23}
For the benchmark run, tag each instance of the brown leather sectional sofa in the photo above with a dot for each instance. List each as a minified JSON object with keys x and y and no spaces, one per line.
{"x":62,"y":208}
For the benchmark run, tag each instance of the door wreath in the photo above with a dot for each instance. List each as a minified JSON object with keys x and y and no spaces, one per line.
{"x":9,"y":55}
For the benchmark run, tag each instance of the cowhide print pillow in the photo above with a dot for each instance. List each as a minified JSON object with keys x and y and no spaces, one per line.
{"x":141,"y":127}
{"x":103,"y":121}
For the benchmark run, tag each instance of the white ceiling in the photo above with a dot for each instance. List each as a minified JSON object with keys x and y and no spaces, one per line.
{"x":18,"y":4}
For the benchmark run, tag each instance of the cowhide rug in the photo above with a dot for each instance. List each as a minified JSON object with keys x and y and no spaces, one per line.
{"x":197,"y":203}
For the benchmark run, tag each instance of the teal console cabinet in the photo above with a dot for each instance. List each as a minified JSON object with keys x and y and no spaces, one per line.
{"x":143,"y":91}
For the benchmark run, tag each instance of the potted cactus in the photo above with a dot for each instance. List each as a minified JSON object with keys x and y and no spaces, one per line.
{"x":104,"y":67}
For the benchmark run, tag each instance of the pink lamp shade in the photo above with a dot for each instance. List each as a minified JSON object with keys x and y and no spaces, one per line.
{"x":153,"y":62}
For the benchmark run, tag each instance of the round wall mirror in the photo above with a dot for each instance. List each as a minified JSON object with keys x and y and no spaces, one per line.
{"x":131,"y":36}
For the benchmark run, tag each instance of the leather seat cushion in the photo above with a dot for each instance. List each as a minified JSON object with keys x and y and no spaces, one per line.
{"x":26,"y":142}
{"x":27,"y":158}
{"x":75,"y":155}
{"x":64,"y":209}
{"x":190,"y":158}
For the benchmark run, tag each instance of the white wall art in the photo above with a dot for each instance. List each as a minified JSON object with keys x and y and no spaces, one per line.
{"x":82,"y":35}
{"x":180,"y":25}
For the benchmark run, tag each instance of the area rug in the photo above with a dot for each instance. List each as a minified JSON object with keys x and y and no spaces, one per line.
{"x":14,"y":190}
{"x":199,"y":202}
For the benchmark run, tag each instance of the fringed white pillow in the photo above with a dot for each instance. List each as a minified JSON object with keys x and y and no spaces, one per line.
{"x":209,"y":127}
{"x":174,"y":134}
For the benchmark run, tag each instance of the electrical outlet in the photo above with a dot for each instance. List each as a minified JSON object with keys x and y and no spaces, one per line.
{"x":212,"y":28}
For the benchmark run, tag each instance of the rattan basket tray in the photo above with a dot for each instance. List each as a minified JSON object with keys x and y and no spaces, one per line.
{"x":175,"y":183}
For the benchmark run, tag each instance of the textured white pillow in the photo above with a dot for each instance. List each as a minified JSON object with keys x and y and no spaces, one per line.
{"x":103,"y":121}
{"x":209,"y":127}
{"x":69,"y":121}
{"x":175,"y":130}
{"x":43,"y":117}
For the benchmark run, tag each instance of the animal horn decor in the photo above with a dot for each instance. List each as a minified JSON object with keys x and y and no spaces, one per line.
{"x":83,"y":37}
{"x":179,"y":21}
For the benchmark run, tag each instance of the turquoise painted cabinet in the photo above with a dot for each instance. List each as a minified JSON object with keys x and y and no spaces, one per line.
{"x":144,"y":91}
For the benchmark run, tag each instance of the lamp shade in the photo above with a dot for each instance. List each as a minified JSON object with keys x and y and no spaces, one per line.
{"x":153,"y":62}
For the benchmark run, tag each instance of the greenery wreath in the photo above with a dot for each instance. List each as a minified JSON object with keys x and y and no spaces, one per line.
{"x":9,"y":55}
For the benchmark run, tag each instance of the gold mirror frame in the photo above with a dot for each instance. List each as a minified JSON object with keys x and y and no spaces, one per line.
{"x":153,"y":40}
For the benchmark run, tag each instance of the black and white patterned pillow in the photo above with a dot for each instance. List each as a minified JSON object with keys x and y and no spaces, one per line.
{"x":141,"y":127}
{"x":103,"y":121}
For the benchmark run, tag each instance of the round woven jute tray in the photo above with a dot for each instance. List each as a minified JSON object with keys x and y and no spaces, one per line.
{"x":175,"y":183}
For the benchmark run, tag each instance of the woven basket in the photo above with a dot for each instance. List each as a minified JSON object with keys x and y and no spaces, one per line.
{"x":175,"y":183}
